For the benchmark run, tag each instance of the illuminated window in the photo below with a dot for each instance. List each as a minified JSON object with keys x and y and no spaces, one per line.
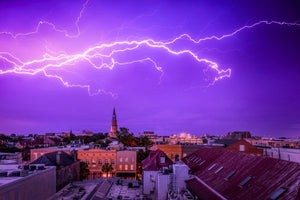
{"x":93,"y":162}
{"x":126,"y":167}
{"x":106,"y":161}
{"x":131,"y":167}
{"x":121,"y":159}
{"x":120,"y":167}
{"x":242,"y":147}
{"x":99,"y":162}
{"x":126,"y":159}
{"x":87,"y":161}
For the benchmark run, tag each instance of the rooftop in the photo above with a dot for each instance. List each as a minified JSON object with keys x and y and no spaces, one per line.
{"x":235,"y":175}
{"x":12,"y":173}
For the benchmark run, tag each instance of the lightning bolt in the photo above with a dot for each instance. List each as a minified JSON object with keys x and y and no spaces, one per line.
{"x":107,"y":53}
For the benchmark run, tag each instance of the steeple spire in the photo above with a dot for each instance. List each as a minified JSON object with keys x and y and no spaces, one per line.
{"x":114,"y":126}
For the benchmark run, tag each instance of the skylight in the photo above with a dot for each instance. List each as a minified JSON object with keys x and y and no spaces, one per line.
{"x":244,"y":182}
{"x":218,"y":170}
{"x":278,"y":193}
{"x":230,"y":175}
{"x":212,"y":167}
{"x":202,"y":162}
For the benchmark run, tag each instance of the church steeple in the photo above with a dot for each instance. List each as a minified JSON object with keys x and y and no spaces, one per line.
{"x":114,"y":126}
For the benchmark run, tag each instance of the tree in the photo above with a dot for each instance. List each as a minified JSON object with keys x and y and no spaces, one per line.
{"x":107,"y":168}
{"x":84,"y":171}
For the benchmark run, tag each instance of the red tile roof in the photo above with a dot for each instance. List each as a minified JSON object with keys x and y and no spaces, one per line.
{"x":268,"y":174}
{"x":152,"y":162}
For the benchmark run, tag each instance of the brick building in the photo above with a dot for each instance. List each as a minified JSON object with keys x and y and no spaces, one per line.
{"x":96,"y":158}
{"x":71,"y":150}
{"x":126,"y":164}
{"x":123,"y":162}
{"x":176,"y":151}
{"x":245,"y":147}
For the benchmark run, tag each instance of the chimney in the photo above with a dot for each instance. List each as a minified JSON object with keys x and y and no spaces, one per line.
{"x":74,"y":155}
{"x":59,"y":158}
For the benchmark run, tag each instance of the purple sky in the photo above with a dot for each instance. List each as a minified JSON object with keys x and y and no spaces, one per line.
{"x":262,"y":94}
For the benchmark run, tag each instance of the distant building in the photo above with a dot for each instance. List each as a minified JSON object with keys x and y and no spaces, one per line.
{"x":238,"y":135}
{"x":114,"y":126}
{"x":283,"y":153}
{"x":150,"y":135}
{"x":17,"y":184}
{"x":10,"y":158}
{"x":245,"y":147}
{"x":222,"y":174}
{"x":184,"y":138}
{"x":278,"y":143}
{"x":67,"y":168}
{"x":176,"y":151}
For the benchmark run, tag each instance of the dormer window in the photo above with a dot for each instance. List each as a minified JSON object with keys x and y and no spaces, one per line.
{"x":162,"y":159}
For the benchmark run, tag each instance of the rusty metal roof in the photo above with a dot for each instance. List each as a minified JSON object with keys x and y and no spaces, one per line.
{"x":267,"y":174}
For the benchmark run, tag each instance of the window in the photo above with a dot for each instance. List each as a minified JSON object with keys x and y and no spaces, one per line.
{"x":87,"y":161}
{"x":126,"y":159}
{"x":162,"y":159}
{"x":230,"y":175}
{"x":278,"y":193}
{"x":121,"y":159}
{"x":212,"y":167}
{"x":131,"y":167}
{"x":151,"y":178}
{"x":126,"y":167}
{"x":120,"y":167}
{"x":172,"y":156}
{"x":99,"y":162}
{"x":112,"y":162}
{"x":242,"y":147}
{"x":93,"y":162}
{"x":106,"y":161}
{"x":218,"y":170}
{"x":244,"y":182}
{"x":177,"y":157}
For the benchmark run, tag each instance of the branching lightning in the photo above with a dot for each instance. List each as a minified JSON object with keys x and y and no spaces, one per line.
{"x":59,"y":60}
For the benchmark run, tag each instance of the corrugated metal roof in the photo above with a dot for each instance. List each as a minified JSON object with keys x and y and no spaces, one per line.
{"x":268,"y":174}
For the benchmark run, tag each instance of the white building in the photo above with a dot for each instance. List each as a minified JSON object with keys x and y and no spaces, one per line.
{"x":283,"y":154}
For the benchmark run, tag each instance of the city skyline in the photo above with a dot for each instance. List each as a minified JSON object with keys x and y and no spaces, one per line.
{"x":196,"y":67}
